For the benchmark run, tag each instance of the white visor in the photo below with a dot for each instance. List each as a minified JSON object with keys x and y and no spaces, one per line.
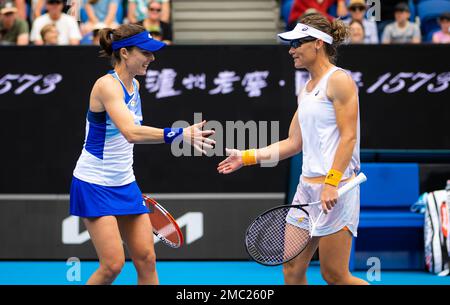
{"x":302,"y":30}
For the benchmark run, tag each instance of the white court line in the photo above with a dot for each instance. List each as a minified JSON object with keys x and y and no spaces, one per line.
{"x":162,"y":196}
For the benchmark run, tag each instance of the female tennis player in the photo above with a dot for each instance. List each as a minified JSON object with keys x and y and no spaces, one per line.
{"x":104,"y":191}
{"x":325,"y":128}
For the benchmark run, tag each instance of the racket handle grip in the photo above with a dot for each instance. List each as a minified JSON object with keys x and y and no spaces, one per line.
{"x":351,"y":184}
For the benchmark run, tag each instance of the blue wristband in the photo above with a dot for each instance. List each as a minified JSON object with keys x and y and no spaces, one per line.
{"x":170,"y":134}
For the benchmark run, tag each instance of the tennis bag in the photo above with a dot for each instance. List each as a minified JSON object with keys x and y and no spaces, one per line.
{"x":437,"y":242}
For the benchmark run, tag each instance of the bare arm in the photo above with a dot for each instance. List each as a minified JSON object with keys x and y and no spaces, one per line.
{"x":22,"y":9}
{"x":132,"y":12}
{"x":74,"y":41}
{"x":91,"y":14}
{"x":111,"y":16}
{"x":272,"y":153}
{"x":341,"y":8}
{"x":285,"y":148}
{"x":38,"y":8}
{"x":165,"y":11}
{"x":23,"y":39}
{"x":342,"y":91}
{"x":107,"y":95}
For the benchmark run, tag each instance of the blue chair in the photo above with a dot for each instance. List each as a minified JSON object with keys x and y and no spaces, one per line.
{"x":120,"y":13}
{"x":429,"y":27}
{"x":413,"y":10}
{"x":386,"y":197}
{"x":432,"y":9}
{"x":83,"y":15}
{"x":286,"y":9}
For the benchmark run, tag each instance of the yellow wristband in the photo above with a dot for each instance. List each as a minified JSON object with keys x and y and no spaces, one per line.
{"x":333,"y":177}
{"x":249,"y":157}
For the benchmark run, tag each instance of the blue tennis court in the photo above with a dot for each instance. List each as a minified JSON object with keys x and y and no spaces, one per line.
{"x":193,"y":273}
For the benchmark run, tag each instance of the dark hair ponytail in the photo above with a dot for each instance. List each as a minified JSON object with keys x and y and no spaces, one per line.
{"x":106,"y":42}
{"x":108,"y":35}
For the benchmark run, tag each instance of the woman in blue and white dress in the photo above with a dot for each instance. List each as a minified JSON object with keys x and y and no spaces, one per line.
{"x":104,"y":191}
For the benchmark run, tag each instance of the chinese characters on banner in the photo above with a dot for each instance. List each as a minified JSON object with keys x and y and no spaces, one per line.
{"x":163,"y":82}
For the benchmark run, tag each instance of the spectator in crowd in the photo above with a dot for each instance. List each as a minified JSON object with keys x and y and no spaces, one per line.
{"x":49,"y":35}
{"x":402,"y":30}
{"x":387,"y":10}
{"x":300,"y":6}
{"x":357,"y":32}
{"x":100,"y":11}
{"x":443,"y":36}
{"x":96,"y":36}
{"x":37,"y":8}
{"x":165,"y":10}
{"x":13,"y":30}
{"x":69,"y":33}
{"x":20,"y":5}
{"x":93,"y":38}
{"x":357,"y":9}
{"x":156,"y":35}
{"x":153,"y":22}
{"x":137,"y":10}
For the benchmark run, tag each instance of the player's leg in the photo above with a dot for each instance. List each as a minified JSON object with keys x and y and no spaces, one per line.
{"x":334,"y":259}
{"x":107,"y":241}
{"x":294,"y":271}
{"x":138,"y":236}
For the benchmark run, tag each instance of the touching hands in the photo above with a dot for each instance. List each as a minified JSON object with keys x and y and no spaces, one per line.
{"x":232,"y":163}
{"x":198,"y":138}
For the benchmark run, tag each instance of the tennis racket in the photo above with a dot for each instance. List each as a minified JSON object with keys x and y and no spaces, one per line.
{"x":164,"y":225}
{"x":281,"y":233}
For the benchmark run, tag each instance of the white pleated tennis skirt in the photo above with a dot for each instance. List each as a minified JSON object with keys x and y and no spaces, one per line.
{"x":344,"y":214}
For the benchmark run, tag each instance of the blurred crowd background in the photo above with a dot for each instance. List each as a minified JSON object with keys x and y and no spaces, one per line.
{"x":74,"y":22}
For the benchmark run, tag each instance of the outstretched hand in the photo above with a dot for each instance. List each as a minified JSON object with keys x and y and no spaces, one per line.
{"x":198,"y":138}
{"x":232,"y":163}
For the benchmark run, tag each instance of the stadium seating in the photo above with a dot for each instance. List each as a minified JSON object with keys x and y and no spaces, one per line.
{"x":119,"y":14}
{"x":429,"y":11}
{"x":286,"y":6}
{"x":225,"y":22}
{"x":386,"y":197}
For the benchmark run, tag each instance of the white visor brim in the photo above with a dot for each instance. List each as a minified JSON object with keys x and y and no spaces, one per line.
{"x":302,"y":30}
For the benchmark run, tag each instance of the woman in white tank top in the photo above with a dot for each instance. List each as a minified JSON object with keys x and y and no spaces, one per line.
{"x":325,"y":128}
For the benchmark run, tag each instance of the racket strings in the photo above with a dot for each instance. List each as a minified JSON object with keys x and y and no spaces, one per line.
{"x":271,"y":240}
{"x":164,"y":229}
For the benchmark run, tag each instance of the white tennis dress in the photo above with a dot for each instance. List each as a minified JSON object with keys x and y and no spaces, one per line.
{"x":320,"y":138}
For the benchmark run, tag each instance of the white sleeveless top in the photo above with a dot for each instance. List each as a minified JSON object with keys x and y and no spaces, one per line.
{"x":320,"y":133}
{"x":107,"y":157}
